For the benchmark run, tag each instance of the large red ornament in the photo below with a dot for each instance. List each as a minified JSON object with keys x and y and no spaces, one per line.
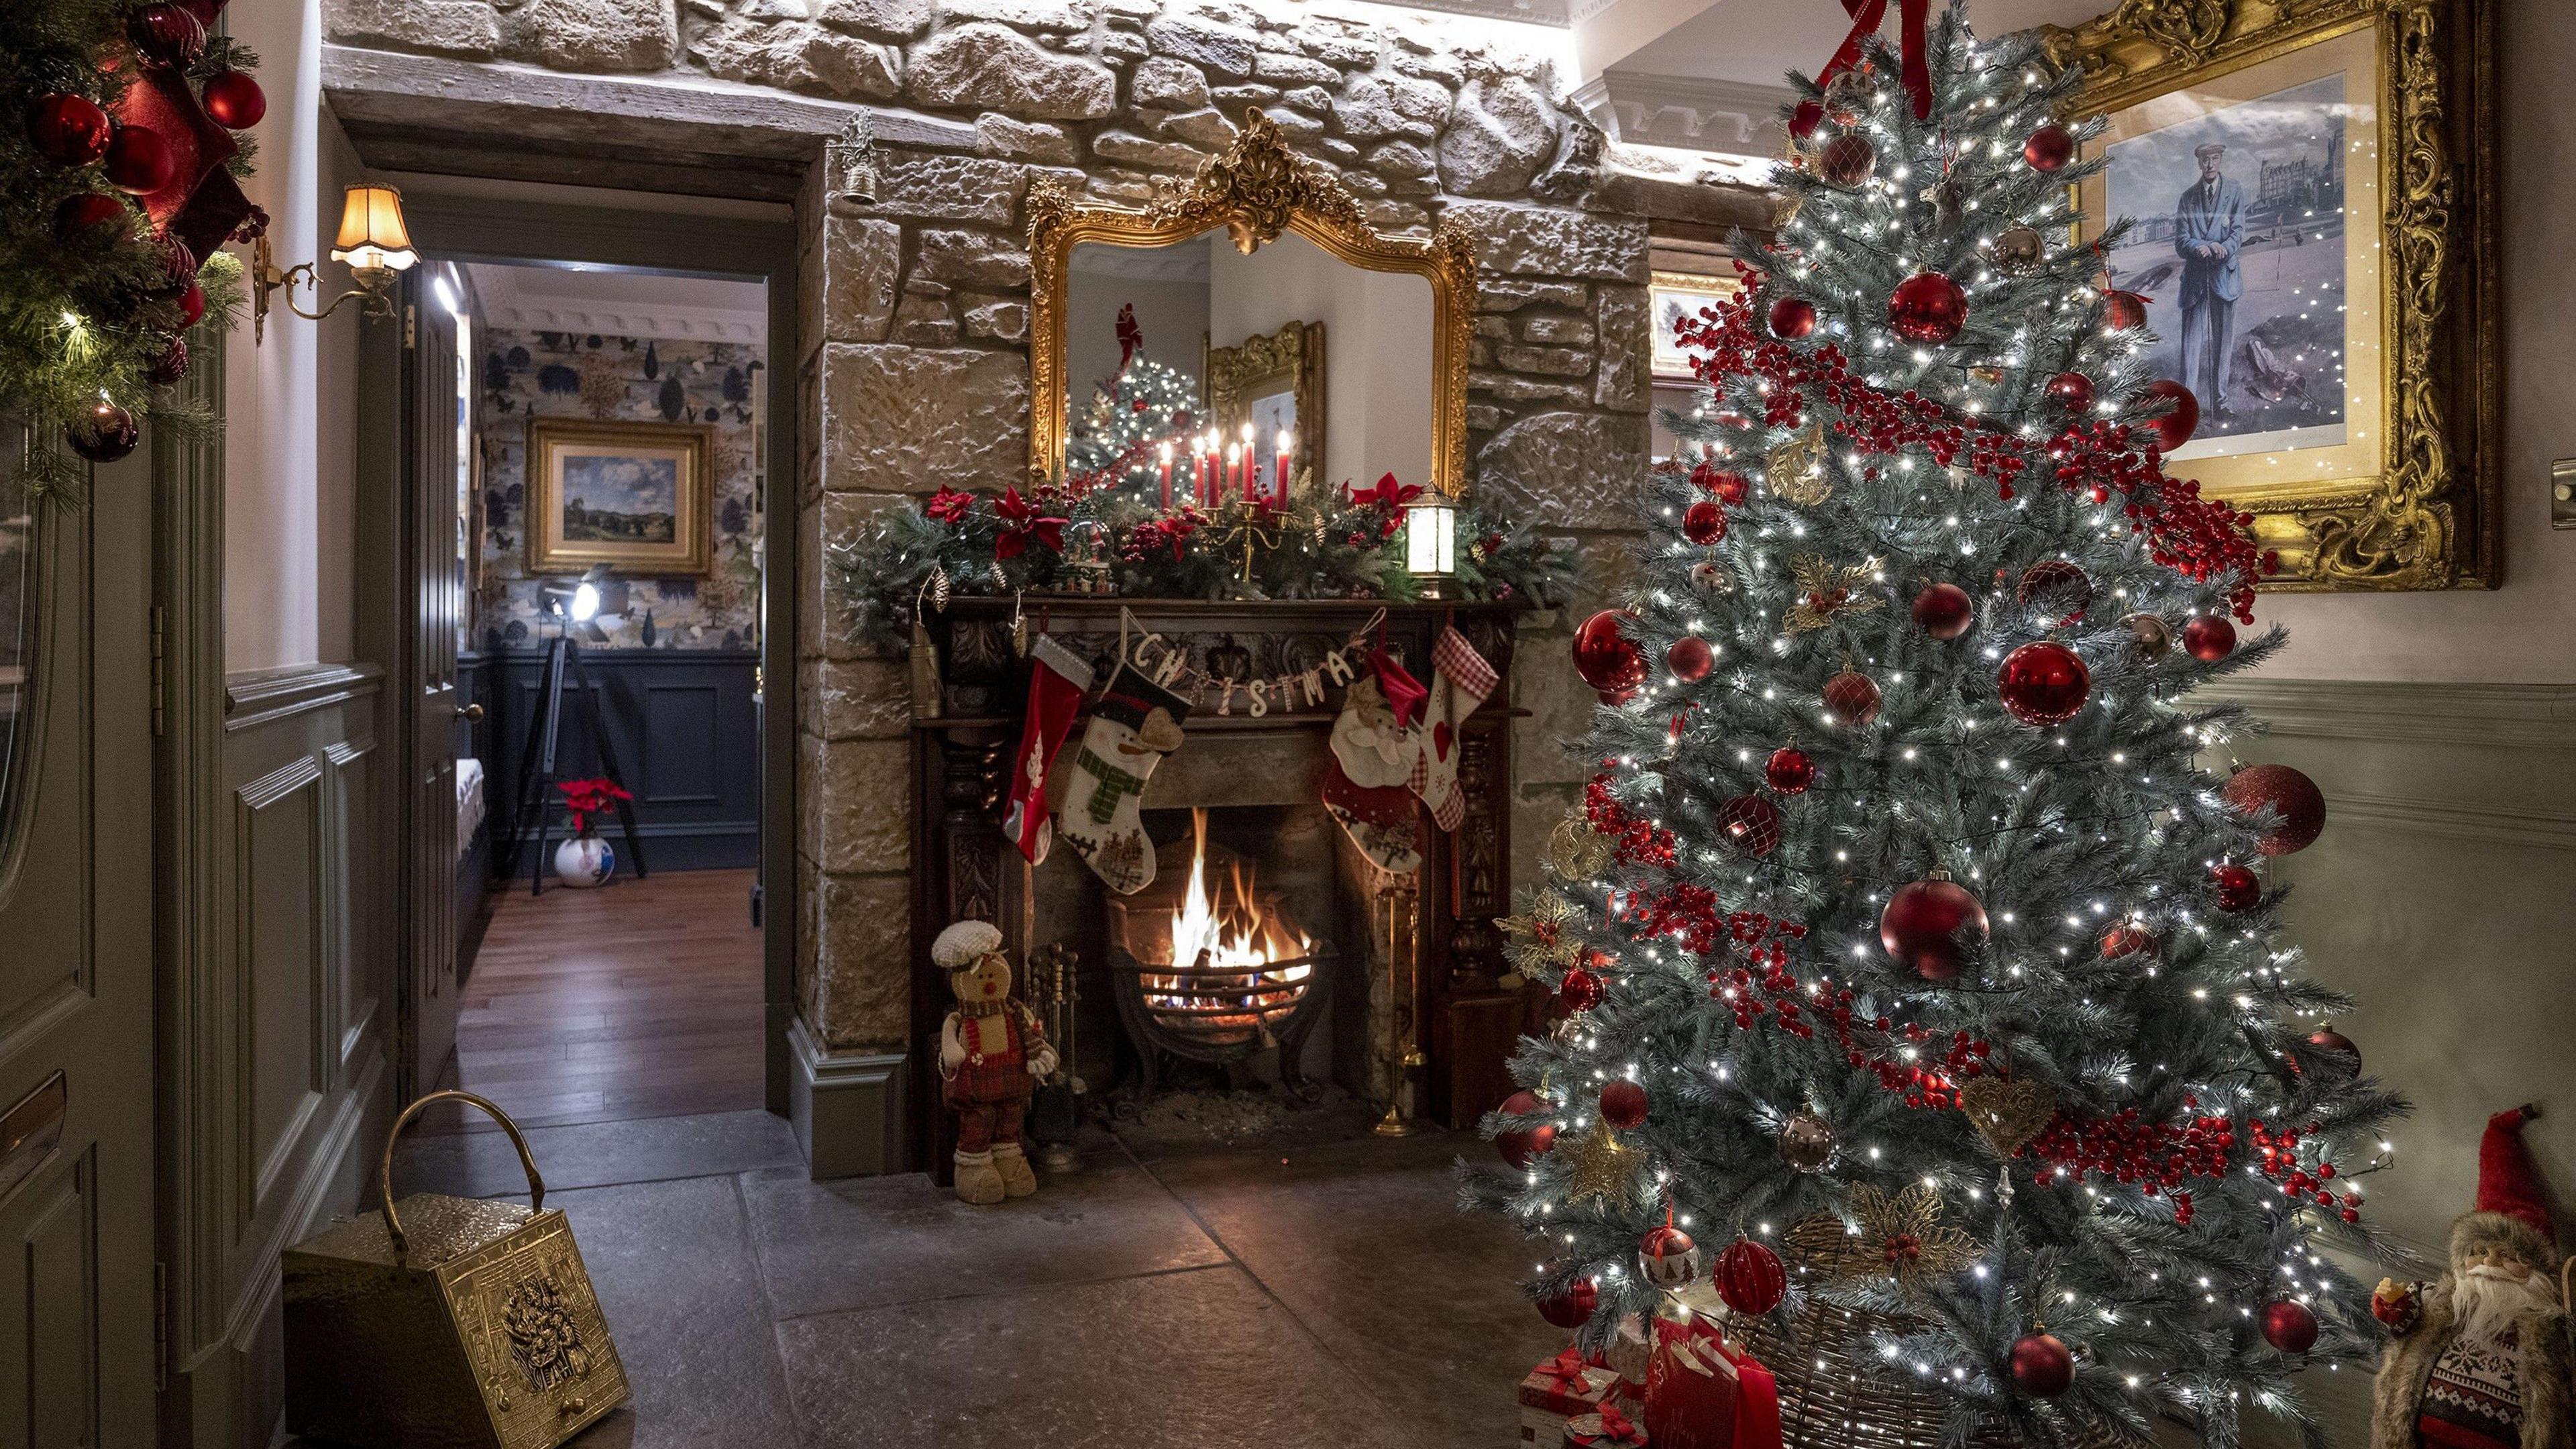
{"x":1580,"y":990}
{"x":139,"y":161}
{"x":192,"y":305}
{"x":1522,"y":1146}
{"x":1749,"y":1278}
{"x":1667,"y":1257}
{"x":2043,"y":683}
{"x":1690,"y":659}
{"x":2301,"y":804}
{"x":2327,"y":1039}
{"x":1789,"y":771}
{"x":1927,"y":307}
{"x":1848,"y":160}
{"x":2055,"y":578}
{"x":1944,"y":611}
{"x":1623,"y":1104}
{"x":69,"y":130}
{"x":2049,"y":148}
{"x":1751,"y":824}
{"x":235,"y":100}
{"x":1573,"y":1307}
{"x":170,"y":366}
{"x":2122,"y":311}
{"x":2209,"y":638}
{"x":2176,"y":427}
{"x":2237,"y":889}
{"x":169,"y":34}
{"x":1607,"y":659}
{"x":107,"y":435}
{"x":1852,"y":697}
{"x":1724,"y":485}
{"x":2289,"y":1326}
{"x":1704,"y":523}
{"x":1921,"y":923}
{"x":89,"y":217}
{"x":1792,"y":318}
{"x":2072,"y":391}
{"x":2126,"y":939}
{"x":2041,"y":1365}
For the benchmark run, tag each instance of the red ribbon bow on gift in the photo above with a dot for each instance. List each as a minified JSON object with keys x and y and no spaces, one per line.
{"x":1618,"y":1428}
{"x":1021,"y":523}
{"x":1566,"y":1371}
{"x":1387,"y":493}
{"x":1867,"y":16}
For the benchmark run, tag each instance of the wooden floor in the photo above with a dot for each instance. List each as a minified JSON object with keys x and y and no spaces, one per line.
{"x":639,"y":999}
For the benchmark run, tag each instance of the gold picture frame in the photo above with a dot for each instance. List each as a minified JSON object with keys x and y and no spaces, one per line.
{"x":1256,"y":190}
{"x":639,"y":465}
{"x":1672,"y":295}
{"x":2395,"y":486}
{"x":1290,"y":360}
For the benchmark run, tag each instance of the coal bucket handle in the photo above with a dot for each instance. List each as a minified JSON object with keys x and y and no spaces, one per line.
{"x":385,"y":1168}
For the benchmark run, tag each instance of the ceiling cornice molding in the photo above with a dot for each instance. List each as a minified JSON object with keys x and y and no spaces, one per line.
{"x":1689,"y":112}
{"x":518,"y":299}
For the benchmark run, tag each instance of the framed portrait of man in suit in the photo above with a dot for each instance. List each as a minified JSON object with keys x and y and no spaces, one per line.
{"x":2263,"y":186}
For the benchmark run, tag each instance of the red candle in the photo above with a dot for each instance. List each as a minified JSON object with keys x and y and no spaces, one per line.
{"x":1166,"y":452}
{"x":1279,"y":479}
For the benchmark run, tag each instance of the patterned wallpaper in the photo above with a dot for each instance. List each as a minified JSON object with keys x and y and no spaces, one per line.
{"x":560,"y":374}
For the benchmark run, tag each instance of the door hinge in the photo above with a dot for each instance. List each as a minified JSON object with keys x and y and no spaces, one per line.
{"x":411,"y":326}
{"x":160,"y":653}
{"x":160,"y":1325}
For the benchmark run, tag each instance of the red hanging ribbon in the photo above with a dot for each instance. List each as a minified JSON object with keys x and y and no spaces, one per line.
{"x":1867,"y":16}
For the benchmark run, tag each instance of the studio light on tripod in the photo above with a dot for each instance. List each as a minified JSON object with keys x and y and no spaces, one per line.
{"x":584,"y":599}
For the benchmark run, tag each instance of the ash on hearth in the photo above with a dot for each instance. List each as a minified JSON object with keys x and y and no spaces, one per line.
{"x":1182,"y":1119}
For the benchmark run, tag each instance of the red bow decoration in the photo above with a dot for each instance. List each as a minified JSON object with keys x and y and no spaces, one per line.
{"x":1867,"y":16}
{"x":1404,"y":693}
{"x":1387,"y":494}
{"x":949,"y":505}
{"x":1021,"y":523}
{"x":1617,"y":1428}
{"x":1565,"y":1371}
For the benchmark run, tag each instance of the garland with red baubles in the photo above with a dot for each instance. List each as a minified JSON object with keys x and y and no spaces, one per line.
{"x":121,"y":181}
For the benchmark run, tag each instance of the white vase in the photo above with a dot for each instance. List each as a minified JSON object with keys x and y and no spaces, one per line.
{"x":585,"y":861}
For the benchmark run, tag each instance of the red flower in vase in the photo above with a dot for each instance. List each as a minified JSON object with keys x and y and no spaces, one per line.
{"x":949,"y":506}
{"x":1020,"y":523}
{"x":1387,"y":493}
{"x":584,"y":799}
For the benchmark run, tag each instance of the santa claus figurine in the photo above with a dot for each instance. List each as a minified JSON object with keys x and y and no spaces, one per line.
{"x":2481,"y":1358}
{"x":991,"y":1055}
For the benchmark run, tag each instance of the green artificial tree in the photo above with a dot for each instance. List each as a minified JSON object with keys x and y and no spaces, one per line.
{"x":1140,"y":419}
{"x":1903,"y":940}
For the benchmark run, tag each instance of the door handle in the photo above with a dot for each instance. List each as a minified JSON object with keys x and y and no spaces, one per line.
{"x":471,"y":714}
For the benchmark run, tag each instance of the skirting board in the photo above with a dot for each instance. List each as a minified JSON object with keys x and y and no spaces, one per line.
{"x":846,"y":1107}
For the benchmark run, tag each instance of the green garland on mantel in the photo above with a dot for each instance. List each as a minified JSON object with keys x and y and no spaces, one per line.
{"x":1323,"y":542}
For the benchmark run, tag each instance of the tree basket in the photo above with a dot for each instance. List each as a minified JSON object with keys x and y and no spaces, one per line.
{"x":1835,"y":1395}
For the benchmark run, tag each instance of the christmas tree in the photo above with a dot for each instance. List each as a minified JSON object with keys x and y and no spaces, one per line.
{"x":1138,"y":419}
{"x":1902,"y":942}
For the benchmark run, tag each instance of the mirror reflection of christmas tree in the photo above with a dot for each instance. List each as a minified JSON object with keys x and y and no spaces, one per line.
{"x":1117,"y":444}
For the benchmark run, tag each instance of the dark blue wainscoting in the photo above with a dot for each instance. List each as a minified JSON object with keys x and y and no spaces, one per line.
{"x":682,"y":724}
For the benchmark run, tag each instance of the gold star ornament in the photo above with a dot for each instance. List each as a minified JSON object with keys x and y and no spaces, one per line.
{"x":1600,"y":1169}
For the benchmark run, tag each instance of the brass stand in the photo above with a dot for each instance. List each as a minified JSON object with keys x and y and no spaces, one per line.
{"x":1412,"y":1062}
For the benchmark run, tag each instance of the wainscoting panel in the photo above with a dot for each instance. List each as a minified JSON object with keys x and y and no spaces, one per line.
{"x":683,"y":725}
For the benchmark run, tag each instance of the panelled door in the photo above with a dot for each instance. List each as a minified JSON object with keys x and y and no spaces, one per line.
{"x":433,"y":404}
{"x":77,"y":1358}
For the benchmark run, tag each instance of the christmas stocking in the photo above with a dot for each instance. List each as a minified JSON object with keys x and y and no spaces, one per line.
{"x":1134,"y":723}
{"x":1460,"y":680}
{"x":1057,"y":682}
{"x":1364,"y":785}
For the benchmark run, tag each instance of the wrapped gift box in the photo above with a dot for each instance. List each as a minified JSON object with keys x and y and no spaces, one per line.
{"x":1605,"y":1427}
{"x":1704,"y":1393}
{"x":1559,"y":1389}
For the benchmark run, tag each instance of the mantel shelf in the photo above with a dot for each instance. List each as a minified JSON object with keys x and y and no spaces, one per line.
{"x":1308,"y":719}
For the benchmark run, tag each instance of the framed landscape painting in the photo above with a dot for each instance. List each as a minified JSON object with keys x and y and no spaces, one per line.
{"x":631,"y":495}
{"x":1674,"y":296}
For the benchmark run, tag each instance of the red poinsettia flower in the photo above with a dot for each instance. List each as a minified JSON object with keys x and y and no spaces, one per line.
{"x":1020,"y":523}
{"x":949,"y":505}
{"x":1386,"y":494}
{"x":586,"y":798}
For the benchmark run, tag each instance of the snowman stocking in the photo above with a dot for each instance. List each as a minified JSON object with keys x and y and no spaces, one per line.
{"x":1057,"y":681}
{"x":1364,"y":785}
{"x":1134,"y":723}
{"x":1460,"y":680}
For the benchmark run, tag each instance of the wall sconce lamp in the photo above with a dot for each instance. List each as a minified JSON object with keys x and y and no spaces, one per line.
{"x":1431,"y":543}
{"x":373,"y":241}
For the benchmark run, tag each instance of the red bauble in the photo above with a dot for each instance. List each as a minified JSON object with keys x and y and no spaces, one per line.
{"x":1792,"y":318}
{"x":1852,"y":697}
{"x":1667,"y":1257}
{"x":69,"y":130}
{"x":1607,"y":659}
{"x":107,"y":435}
{"x":1920,"y":924}
{"x":2301,"y":804}
{"x":1724,"y":485}
{"x":1523,"y":1146}
{"x":235,"y":100}
{"x":2043,"y":683}
{"x":2072,"y":391}
{"x":2289,"y":1326}
{"x":2236,"y":888}
{"x":1749,"y":1278}
{"x":2049,"y":148}
{"x":1690,"y":659}
{"x":2041,"y":1365}
{"x":192,"y":305}
{"x":2176,"y":427}
{"x":2327,"y":1039}
{"x":1790,"y":771}
{"x":1944,"y":611}
{"x":2209,"y":638}
{"x":1848,"y":160}
{"x":1573,"y":1307}
{"x":205,"y":10}
{"x":2126,"y":939}
{"x":1927,"y":307}
{"x":139,"y":161}
{"x":2122,"y":311}
{"x":89,"y":217}
{"x":1704,"y":523}
{"x":1623,"y":1104}
{"x":2058,"y":581}
{"x":1580,"y":990}
{"x":1751,"y":824}
{"x":170,"y":366}
{"x":169,"y":34}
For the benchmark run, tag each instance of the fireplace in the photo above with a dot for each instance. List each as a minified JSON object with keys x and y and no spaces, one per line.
{"x":1267,"y":947}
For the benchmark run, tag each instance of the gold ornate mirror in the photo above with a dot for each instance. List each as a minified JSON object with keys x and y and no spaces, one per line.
{"x":1302,"y":311}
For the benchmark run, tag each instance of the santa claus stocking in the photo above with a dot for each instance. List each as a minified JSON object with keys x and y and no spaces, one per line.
{"x":1057,"y":682}
{"x":1134,"y":723}
{"x":1364,"y":785}
{"x":1460,"y":680}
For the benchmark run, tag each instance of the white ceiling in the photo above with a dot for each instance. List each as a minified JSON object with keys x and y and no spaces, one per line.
{"x":619,"y":303}
{"x":1758,"y":41}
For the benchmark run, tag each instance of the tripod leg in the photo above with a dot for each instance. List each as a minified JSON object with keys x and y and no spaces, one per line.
{"x":515,"y":841}
{"x":608,"y":763}
{"x":551,"y":721}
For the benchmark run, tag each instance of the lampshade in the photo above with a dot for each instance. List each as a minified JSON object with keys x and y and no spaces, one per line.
{"x":372,"y":233}
{"x":1431,"y":538}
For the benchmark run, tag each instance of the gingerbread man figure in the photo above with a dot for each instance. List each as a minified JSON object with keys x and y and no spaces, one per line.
{"x":992,"y":1054}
